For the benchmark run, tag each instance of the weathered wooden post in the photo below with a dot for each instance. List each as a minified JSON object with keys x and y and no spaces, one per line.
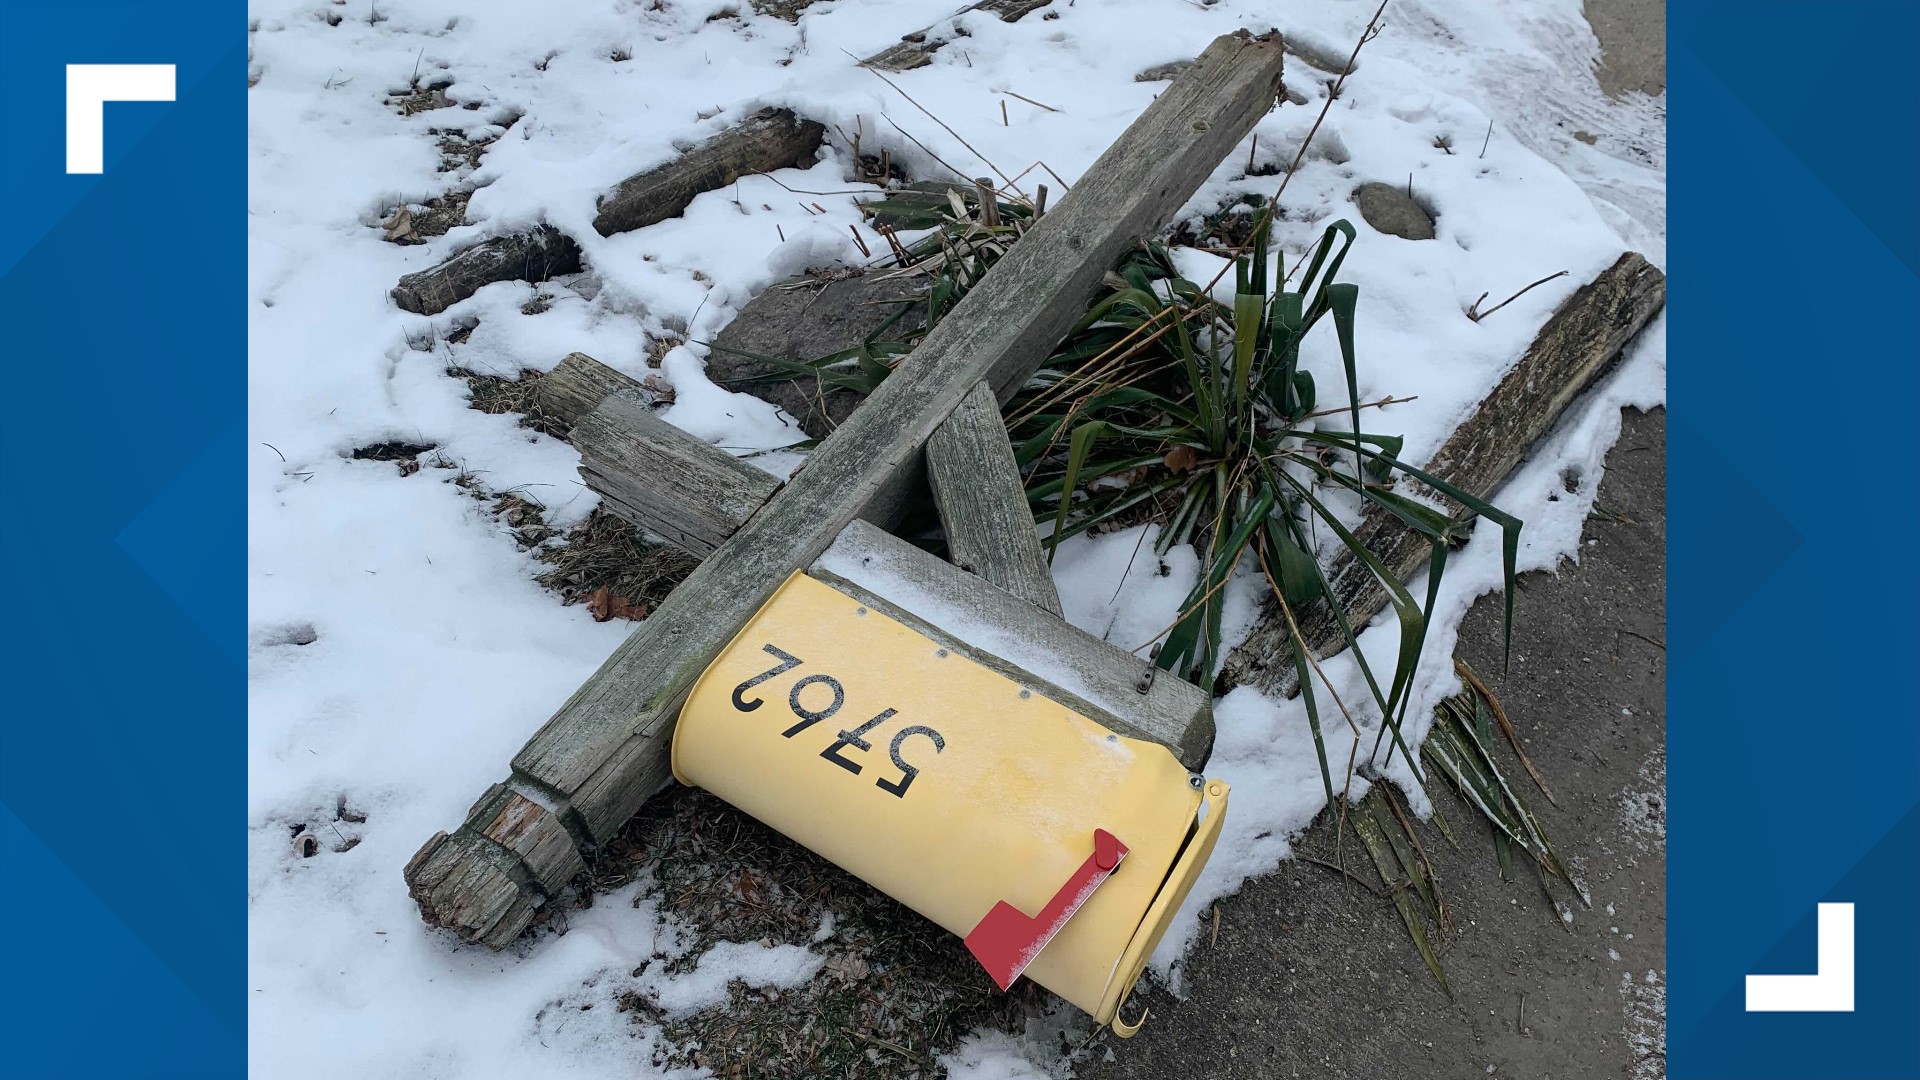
{"x":605,"y":751}
{"x":767,"y":140}
{"x":690,"y":493}
{"x":982,"y":504}
{"x":917,"y":49}
{"x":1569,"y":354}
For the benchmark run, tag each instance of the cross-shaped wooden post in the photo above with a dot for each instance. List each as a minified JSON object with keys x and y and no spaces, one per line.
{"x":605,"y":751}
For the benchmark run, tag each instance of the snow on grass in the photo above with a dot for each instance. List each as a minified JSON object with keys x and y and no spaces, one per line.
{"x":400,"y":651}
{"x":760,"y":966}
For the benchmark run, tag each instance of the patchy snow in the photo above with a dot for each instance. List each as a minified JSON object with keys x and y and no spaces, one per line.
{"x":762,"y":966}
{"x":994,"y":1056}
{"x":399,"y":650}
{"x":884,"y":573}
{"x":1645,"y":1006}
{"x":1643,"y":807}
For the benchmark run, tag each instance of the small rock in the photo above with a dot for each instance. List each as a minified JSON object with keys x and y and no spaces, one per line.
{"x":1389,"y":210}
{"x":1163,"y":72}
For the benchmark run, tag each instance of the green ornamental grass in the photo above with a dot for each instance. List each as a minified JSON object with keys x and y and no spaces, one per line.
{"x":1164,"y":404}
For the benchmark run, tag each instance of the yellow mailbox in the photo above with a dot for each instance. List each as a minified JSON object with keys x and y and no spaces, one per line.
{"x":1054,"y":846}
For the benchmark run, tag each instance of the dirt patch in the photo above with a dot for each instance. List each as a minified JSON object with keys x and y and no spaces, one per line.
{"x":787,"y":10}
{"x":1633,"y":45}
{"x":896,"y":990}
{"x":524,"y":518}
{"x":1223,"y":232}
{"x":498,"y":394}
{"x":457,"y":152}
{"x":605,"y":560}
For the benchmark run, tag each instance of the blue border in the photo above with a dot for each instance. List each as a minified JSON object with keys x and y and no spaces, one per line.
{"x":122,"y":765}
{"x":1794,"y":721}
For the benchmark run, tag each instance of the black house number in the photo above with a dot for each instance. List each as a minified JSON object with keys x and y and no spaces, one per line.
{"x":829,"y":695}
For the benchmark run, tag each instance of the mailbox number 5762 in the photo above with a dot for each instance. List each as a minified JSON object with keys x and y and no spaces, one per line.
{"x":854,"y":739}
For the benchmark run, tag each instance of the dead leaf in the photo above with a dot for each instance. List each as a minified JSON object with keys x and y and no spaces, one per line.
{"x":1182,"y":458}
{"x":604,"y":606}
{"x":744,"y":886}
{"x":847,"y":967}
{"x":400,"y":226}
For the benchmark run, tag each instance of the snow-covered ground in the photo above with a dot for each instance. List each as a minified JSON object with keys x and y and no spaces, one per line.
{"x":429,"y":652}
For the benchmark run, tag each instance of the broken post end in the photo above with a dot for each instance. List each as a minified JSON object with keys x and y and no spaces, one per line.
{"x":488,"y":881}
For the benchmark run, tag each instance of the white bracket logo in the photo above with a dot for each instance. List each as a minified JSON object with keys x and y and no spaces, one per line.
{"x":89,"y":88}
{"x":1829,"y":988}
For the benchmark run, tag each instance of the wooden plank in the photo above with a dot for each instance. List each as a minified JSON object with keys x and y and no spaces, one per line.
{"x":1575,"y":347}
{"x":805,"y":318}
{"x":692,"y":494}
{"x":767,"y":140}
{"x":983,"y":507}
{"x":917,"y":49}
{"x":578,"y":384}
{"x":487,"y":880}
{"x":530,"y":256}
{"x":1122,"y":691}
{"x":605,"y":751}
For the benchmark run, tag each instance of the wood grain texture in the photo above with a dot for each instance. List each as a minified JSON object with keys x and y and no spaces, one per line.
{"x":605,"y":751}
{"x":473,"y":887}
{"x":1575,"y":347}
{"x":486,"y":879}
{"x":917,"y":49}
{"x":805,"y":319}
{"x":529,"y":256}
{"x":983,"y":507}
{"x":1102,"y":682}
{"x":767,"y":140}
{"x":579,"y":383}
{"x":692,"y":494}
